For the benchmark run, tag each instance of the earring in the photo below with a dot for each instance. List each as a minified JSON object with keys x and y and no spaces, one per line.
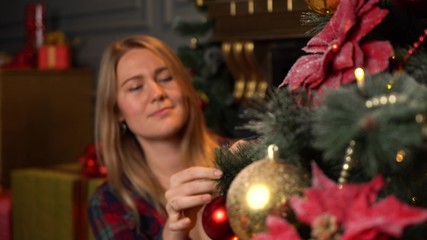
{"x":123,"y":126}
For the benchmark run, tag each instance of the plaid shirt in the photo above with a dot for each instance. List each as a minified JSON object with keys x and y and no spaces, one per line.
{"x":111,"y":219}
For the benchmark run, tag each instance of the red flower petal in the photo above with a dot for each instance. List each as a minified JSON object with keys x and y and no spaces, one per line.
{"x":344,"y":59}
{"x":278,"y":230}
{"x":306,"y":70}
{"x":336,"y":50}
{"x":367,"y":23}
{"x":379,"y":218}
{"x":318,"y":198}
{"x":377,"y":55}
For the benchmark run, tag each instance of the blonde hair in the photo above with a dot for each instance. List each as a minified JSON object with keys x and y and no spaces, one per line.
{"x":121,"y":152}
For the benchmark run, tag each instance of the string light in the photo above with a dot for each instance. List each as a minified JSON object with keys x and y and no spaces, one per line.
{"x":400,"y":156}
{"x":416,"y":45}
{"x":360,"y":77}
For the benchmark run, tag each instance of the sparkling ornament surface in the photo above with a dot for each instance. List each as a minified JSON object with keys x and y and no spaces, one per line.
{"x":263,"y":188}
{"x":215,"y":220}
{"x":323,"y":7}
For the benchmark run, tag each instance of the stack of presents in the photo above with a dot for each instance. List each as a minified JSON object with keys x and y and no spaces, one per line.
{"x":49,"y":203}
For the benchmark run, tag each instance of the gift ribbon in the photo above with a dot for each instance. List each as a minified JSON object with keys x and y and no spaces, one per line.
{"x":51,"y":56}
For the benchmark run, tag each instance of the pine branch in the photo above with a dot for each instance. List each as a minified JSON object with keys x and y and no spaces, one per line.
{"x":313,"y":19}
{"x":231,"y":163}
{"x":417,"y":66}
{"x":380,"y":132}
{"x":284,"y":120}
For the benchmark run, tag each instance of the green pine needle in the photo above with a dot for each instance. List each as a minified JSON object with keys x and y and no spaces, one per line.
{"x":380,"y":132}
{"x":231,"y":163}
{"x":284,"y":120}
{"x":417,"y":66}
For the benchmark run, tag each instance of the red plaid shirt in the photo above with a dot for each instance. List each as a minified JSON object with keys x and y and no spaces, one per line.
{"x":111,"y":219}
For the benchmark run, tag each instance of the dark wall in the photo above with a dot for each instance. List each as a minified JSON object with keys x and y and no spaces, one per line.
{"x":95,"y":23}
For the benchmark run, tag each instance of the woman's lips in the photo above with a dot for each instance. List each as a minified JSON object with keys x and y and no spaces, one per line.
{"x":161,"y":112}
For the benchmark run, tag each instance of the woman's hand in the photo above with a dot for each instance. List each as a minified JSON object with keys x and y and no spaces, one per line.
{"x":189,"y":190}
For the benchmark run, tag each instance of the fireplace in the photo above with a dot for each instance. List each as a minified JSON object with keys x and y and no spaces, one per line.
{"x":261,"y":40}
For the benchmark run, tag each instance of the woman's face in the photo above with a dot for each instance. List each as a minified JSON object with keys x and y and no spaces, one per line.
{"x":149,"y":98}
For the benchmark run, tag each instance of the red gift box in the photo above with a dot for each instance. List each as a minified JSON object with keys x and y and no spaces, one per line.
{"x":5,"y":215}
{"x":54,"y":57}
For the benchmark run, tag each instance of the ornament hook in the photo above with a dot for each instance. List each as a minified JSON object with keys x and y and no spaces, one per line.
{"x":272,"y":152}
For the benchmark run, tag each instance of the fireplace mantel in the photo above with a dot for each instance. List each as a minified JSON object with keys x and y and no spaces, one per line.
{"x":257,"y":19}
{"x":261,"y":39}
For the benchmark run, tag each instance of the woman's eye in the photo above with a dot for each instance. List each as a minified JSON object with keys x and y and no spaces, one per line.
{"x":135,"y":87}
{"x":165,"y":79}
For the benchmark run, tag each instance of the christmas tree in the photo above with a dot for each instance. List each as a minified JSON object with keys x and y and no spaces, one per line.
{"x":350,"y":116}
{"x":209,"y":73}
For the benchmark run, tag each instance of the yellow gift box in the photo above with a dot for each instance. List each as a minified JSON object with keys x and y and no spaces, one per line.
{"x":51,"y":203}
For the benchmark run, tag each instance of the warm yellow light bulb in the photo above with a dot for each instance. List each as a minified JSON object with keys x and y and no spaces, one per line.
{"x":360,"y":77}
{"x":400,"y":156}
{"x":258,"y":196}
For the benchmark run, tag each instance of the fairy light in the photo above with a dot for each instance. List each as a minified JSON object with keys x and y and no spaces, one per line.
{"x":400,"y":156}
{"x":416,"y":45}
{"x":194,"y":42}
{"x":419,"y":118}
{"x":335,"y":47}
{"x":359,"y":73}
{"x":384,"y":100}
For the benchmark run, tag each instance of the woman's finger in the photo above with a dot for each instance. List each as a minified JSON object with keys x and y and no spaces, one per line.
{"x":178,"y":205}
{"x":191,"y":188}
{"x":179,"y":225}
{"x":194,"y":173}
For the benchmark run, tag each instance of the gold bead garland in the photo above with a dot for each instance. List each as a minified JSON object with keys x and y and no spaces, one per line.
{"x":348,"y":162}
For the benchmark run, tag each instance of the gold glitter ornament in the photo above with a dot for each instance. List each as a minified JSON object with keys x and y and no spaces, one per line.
{"x":263,"y":188}
{"x":323,"y":7}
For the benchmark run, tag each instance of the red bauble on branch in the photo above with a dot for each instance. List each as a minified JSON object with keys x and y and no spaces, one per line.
{"x":90,"y":163}
{"x":215,"y":221}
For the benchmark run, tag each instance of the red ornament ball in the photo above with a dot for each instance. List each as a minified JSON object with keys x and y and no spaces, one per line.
{"x":90,"y":163}
{"x":215,"y":221}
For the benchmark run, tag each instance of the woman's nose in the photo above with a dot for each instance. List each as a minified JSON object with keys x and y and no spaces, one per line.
{"x":157,"y":91}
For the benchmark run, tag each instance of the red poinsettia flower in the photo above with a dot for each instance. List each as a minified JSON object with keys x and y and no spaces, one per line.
{"x":337,"y":50}
{"x":379,"y":221}
{"x":325,"y":196}
{"x":328,"y":207}
{"x":279,"y":229}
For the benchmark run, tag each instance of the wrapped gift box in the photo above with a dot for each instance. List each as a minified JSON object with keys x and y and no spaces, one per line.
{"x":5,"y":215}
{"x":54,"y":57}
{"x":51,"y":203}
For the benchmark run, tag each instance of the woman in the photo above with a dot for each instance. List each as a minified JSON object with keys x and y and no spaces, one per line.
{"x":157,"y":150}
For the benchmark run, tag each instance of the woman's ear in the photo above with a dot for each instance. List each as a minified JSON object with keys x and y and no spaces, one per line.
{"x":119,"y":115}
